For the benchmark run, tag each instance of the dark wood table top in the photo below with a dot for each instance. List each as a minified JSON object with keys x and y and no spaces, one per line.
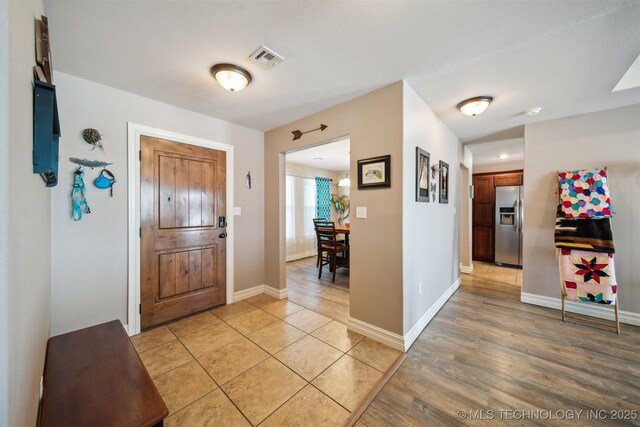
{"x":94,"y":377}
{"x":342,"y":229}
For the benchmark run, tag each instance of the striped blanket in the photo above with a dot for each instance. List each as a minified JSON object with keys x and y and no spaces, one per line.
{"x":584,"y":234}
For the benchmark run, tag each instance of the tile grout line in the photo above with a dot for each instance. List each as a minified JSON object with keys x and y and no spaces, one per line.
{"x":269,"y":355}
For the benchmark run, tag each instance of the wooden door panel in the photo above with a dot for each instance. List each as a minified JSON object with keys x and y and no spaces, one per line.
{"x":167,"y":276}
{"x":167,"y":192}
{"x":182,"y":193}
{"x":195,"y":193}
{"x":183,"y":256}
{"x":182,"y":273}
{"x":208,"y":194}
{"x":209,"y":262}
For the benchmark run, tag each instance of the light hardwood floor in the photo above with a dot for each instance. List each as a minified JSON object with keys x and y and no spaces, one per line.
{"x":320,"y":295}
{"x":486,"y":351}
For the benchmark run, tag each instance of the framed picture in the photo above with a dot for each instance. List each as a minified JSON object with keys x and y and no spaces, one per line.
{"x":444,"y":182}
{"x":422,"y":175}
{"x":374,"y":172}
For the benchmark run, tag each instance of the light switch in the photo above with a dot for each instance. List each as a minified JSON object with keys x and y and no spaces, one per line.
{"x":237,"y":210}
{"x":361,"y":212}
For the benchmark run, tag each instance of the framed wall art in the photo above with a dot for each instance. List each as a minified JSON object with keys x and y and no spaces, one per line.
{"x":444,"y":182}
{"x":374,"y":172}
{"x":422,"y":175}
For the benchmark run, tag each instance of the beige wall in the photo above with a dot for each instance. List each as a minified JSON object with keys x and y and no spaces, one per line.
{"x":608,"y":138}
{"x":374,"y":123}
{"x":430,"y":230}
{"x":499,"y":167}
{"x":89,"y":258}
{"x":4,"y":230}
{"x":28,"y":239}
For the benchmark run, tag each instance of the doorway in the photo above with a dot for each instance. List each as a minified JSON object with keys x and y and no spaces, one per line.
{"x":497,"y":219}
{"x":318,"y":188}
{"x":183,"y":230}
{"x":208,"y":280}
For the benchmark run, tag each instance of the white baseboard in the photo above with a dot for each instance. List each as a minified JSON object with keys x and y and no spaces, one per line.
{"x":424,"y":320}
{"x":593,"y":310}
{"x":388,"y":338}
{"x":276,"y":293}
{"x":394,"y":340}
{"x":248,"y":293}
{"x":466,"y":269}
{"x":302,"y":255}
{"x":260,"y":289}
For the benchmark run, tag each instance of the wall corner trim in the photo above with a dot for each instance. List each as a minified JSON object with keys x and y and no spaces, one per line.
{"x":399,"y":342}
{"x":257,"y":290}
{"x":383,"y":336}
{"x":592,"y":310}
{"x":466,"y":269}
{"x":424,"y":320}
{"x":276,"y":293}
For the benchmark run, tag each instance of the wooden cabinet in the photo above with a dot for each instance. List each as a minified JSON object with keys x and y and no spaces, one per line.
{"x":483,"y":244}
{"x":507,"y":179}
{"x":484,"y":210}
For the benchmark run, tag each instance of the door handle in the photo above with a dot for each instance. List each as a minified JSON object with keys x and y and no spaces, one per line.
{"x":222,"y":235}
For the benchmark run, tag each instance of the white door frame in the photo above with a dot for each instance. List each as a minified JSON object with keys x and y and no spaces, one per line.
{"x":135,"y":131}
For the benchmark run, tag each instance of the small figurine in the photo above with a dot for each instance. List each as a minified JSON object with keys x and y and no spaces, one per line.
{"x":93,"y":137}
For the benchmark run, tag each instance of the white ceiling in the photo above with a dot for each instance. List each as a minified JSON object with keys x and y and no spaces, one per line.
{"x":565,"y":56}
{"x":486,"y":153}
{"x":334,"y":156}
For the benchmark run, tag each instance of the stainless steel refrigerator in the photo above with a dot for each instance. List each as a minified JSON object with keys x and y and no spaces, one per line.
{"x":509,"y":217}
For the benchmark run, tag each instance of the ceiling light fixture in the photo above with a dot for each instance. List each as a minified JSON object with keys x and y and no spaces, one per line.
{"x":502,"y":156}
{"x":345,"y":182}
{"x":231,"y":77}
{"x":474,"y":106}
{"x":533,"y":111}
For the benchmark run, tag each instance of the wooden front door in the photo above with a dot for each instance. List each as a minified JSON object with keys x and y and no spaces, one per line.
{"x":183,"y":219}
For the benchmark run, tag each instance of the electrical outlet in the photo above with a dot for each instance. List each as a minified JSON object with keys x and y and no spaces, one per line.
{"x":419,"y":288}
{"x":361,"y":212}
{"x":237,"y":210}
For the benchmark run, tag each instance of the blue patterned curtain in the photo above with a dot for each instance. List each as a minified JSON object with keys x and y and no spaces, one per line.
{"x":323,"y":197}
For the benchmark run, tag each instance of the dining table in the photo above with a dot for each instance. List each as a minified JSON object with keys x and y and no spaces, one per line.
{"x":343,"y":229}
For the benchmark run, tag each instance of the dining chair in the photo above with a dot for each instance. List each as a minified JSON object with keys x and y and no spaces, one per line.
{"x":317,"y":221}
{"x":331,"y":251}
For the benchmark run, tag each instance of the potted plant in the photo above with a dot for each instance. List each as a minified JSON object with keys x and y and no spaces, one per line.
{"x":342,"y":205}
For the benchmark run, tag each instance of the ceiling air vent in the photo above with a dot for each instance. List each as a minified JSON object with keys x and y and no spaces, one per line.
{"x":266,"y":58}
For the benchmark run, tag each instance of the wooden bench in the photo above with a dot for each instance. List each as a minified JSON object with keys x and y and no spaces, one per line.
{"x":94,"y":377}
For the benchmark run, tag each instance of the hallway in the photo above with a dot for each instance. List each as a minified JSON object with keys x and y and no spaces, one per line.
{"x":486,"y":351}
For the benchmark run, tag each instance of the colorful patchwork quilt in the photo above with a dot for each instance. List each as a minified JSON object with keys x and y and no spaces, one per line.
{"x":584,"y":194}
{"x":588,"y":276}
{"x":586,"y":234}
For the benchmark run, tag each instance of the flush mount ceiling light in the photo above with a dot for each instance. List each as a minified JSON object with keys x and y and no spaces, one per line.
{"x":474,"y":106}
{"x":533,"y":111}
{"x":502,"y":156}
{"x":231,"y":77}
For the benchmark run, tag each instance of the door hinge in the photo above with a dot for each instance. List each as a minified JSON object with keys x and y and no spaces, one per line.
{"x":140,"y":232}
{"x":140,"y":155}
{"x":139,"y":308}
